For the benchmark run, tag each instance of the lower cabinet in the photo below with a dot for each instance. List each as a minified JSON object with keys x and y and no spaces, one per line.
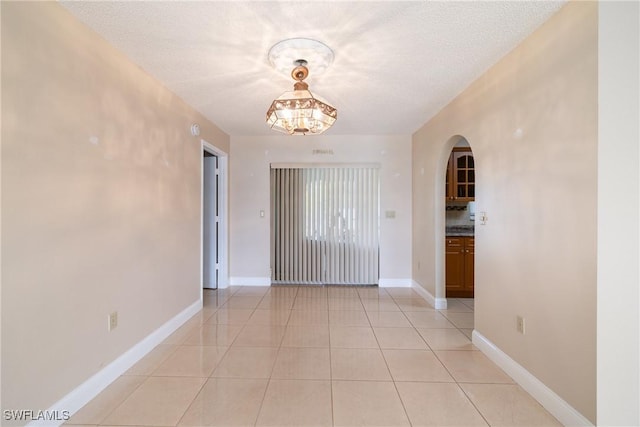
{"x":459,"y":254}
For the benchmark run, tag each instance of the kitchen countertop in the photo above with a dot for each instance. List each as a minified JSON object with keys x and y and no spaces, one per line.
{"x":459,"y":231}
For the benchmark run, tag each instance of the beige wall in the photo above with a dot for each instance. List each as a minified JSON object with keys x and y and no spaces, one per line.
{"x":531,"y":121}
{"x":249,"y":188}
{"x":101,"y":203}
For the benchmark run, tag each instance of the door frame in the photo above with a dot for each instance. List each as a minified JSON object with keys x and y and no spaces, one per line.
{"x":440,"y":218}
{"x":223,"y":227}
{"x":210,"y":220}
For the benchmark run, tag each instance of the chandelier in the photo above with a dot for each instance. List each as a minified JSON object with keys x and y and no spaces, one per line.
{"x":299,"y":112}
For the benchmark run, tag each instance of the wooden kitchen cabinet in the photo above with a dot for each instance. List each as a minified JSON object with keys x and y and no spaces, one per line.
{"x":460,"y":182}
{"x":459,"y":270}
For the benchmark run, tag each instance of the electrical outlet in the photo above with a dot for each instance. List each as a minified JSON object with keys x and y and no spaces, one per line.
{"x":520,"y":325}
{"x":113,"y":321}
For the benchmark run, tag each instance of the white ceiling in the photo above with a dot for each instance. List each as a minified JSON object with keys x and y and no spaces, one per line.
{"x":397,"y":63}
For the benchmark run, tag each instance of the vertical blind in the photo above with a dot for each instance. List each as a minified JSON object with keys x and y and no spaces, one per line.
{"x":324,"y":225}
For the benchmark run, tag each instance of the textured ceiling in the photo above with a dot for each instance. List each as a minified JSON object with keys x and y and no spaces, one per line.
{"x":396,"y":63}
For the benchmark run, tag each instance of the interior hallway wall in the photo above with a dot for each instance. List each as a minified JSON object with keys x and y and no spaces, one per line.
{"x":531,"y":121}
{"x":101,"y":203}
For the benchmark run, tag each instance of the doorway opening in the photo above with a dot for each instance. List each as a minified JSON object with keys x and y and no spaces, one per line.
{"x":214,"y":218}
{"x":459,"y":220}
{"x":211,"y":225}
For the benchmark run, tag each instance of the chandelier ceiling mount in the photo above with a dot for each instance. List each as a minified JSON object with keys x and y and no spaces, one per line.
{"x":299,"y":112}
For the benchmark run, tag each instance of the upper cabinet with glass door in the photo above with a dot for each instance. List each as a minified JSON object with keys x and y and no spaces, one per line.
{"x":461,"y":177}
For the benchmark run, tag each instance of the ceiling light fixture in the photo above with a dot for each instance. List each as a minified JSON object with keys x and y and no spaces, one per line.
{"x":299,"y":112}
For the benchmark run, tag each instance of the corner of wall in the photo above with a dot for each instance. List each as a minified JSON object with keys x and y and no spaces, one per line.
{"x":437,"y":303}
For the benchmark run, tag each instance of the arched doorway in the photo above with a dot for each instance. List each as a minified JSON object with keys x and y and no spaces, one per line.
{"x":455,"y":217}
{"x":459,"y":221}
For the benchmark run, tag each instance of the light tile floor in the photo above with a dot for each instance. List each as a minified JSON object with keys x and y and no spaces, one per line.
{"x":317,"y":356}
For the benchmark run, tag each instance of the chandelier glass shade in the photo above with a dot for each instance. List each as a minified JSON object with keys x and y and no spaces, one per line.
{"x":299,"y":112}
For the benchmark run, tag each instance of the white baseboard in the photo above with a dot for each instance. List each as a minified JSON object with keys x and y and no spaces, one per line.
{"x":89,"y":389}
{"x":553,"y":403}
{"x":438,"y":303}
{"x":249,"y":281}
{"x":394,"y":283}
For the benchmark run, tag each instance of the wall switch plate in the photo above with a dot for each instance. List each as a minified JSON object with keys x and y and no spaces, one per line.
{"x":390,"y":214}
{"x":113,"y":320}
{"x":483,"y":218}
{"x":520,"y":325}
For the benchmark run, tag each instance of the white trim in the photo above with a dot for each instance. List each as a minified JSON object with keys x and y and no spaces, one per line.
{"x":249,"y":281}
{"x":208,"y":219}
{"x":89,"y":389}
{"x":395,"y":283}
{"x":553,"y":403}
{"x":438,"y":303}
{"x":223,"y":200}
{"x":439,"y":208}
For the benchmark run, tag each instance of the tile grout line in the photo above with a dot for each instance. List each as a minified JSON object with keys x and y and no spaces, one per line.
{"x":327,"y":309}
{"x":264,"y":394}
{"x":457,"y":383}
{"x":123,"y":400}
{"x":210,"y":377}
{"x":473,"y":404}
{"x":445,"y":367}
{"x":393,"y":380}
{"x":333,"y":414}
{"x":193,"y":400}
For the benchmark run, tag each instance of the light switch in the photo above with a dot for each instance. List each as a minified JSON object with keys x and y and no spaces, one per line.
{"x":483,"y":218}
{"x":390,"y":214}
{"x":262,"y":214}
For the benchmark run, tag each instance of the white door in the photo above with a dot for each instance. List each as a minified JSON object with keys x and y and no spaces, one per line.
{"x":210,"y":221}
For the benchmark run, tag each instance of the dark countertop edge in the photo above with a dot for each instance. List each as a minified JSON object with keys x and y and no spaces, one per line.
{"x":460,"y":234}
